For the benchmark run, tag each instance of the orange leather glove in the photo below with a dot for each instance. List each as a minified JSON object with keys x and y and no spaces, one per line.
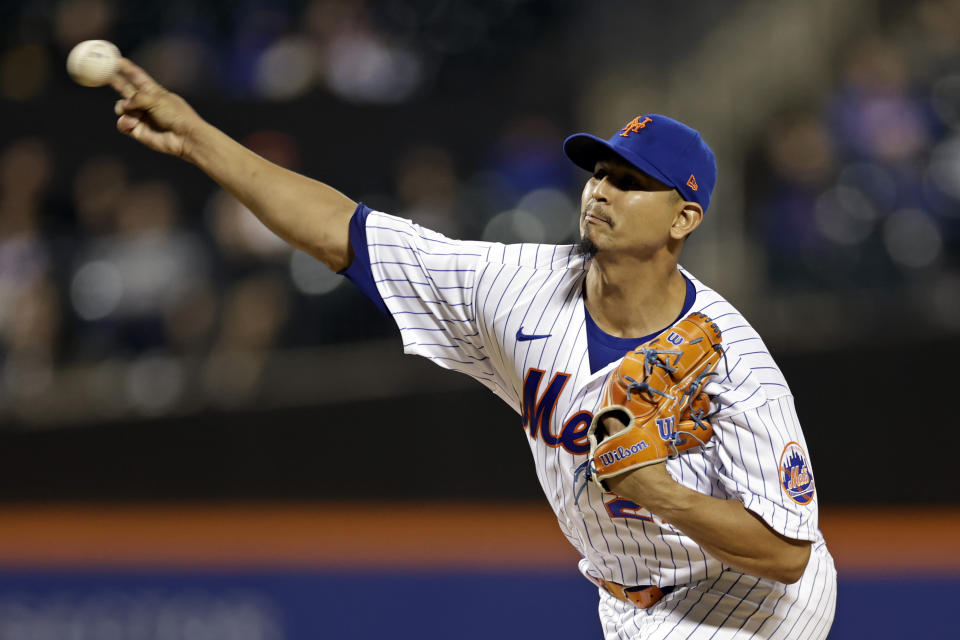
{"x":656,"y":395}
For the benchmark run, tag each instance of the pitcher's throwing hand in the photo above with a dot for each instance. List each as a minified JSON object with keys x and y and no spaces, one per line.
{"x":150,"y":114}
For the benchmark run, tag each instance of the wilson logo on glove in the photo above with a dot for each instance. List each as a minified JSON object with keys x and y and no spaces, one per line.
{"x":655,"y":398}
{"x":622,"y":454}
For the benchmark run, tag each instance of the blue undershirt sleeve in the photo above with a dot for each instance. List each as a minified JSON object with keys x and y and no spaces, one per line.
{"x":359,"y":270}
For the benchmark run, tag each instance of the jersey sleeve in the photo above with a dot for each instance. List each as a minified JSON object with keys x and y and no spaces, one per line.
{"x":425,"y":281}
{"x":763,"y":461}
{"x":758,"y":450}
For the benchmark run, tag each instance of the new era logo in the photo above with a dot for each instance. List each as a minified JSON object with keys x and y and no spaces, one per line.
{"x":635,"y":125}
{"x":692,"y":183}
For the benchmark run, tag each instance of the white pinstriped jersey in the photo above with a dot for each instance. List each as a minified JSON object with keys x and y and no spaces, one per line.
{"x":512,"y":317}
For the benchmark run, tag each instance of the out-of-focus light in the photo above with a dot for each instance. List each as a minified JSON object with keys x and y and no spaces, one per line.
{"x":230,"y":376}
{"x":27,"y":377}
{"x":180,"y":63}
{"x":912,"y":238}
{"x":490,"y":191}
{"x":239,"y":232}
{"x":844,"y":216}
{"x":872,"y":180}
{"x":515,"y":225}
{"x":76,"y":20}
{"x":97,"y":191}
{"x":24,"y":72}
{"x":945,"y":96}
{"x":801,"y":150}
{"x":102,"y":385}
{"x":154,"y":383}
{"x":555,"y":211}
{"x":23,"y":261}
{"x":276,"y":146}
{"x":312,"y":277}
{"x":362,"y":69}
{"x":287,"y":68}
{"x":26,"y":167}
{"x":944,"y":169}
{"x":96,"y":290}
{"x":155,"y":270}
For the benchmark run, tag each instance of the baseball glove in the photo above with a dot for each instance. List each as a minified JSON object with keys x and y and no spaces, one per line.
{"x":656,"y":395}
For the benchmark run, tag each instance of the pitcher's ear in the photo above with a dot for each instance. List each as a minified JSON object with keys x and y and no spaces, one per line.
{"x":687,"y":219}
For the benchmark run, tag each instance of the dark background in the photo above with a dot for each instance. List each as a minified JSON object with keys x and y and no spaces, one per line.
{"x":833,"y":228}
{"x":311,"y":453}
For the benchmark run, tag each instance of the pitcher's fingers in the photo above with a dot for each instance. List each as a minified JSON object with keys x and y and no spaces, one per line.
{"x":136,"y":76}
{"x":139,"y":101}
{"x":122,"y":86}
{"x":127,"y":122}
{"x":121,"y":107}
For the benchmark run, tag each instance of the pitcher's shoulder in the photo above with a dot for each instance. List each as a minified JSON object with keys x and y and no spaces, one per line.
{"x":747,"y":375}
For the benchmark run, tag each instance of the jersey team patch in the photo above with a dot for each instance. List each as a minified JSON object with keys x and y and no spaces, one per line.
{"x":795,"y":475}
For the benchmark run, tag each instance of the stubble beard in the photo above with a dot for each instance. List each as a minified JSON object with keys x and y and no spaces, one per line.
{"x":586,"y":248}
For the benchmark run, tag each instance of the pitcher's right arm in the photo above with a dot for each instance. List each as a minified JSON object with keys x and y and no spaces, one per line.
{"x":306,"y":213}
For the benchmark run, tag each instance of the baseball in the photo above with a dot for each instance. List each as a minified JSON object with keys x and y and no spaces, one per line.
{"x":93,"y":62}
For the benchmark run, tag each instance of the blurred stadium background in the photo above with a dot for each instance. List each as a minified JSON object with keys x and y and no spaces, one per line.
{"x":178,"y":388}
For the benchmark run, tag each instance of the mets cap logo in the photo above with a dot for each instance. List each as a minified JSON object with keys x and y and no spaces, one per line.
{"x":795,"y":475}
{"x":635,"y":126}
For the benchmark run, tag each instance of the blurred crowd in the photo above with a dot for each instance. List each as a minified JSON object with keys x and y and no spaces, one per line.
{"x":101,"y":267}
{"x":861,"y":187}
{"x":115,"y":269}
{"x":122,"y":270}
{"x":364,"y":52}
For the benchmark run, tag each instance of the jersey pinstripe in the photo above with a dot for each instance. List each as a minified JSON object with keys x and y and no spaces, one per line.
{"x":512,"y":317}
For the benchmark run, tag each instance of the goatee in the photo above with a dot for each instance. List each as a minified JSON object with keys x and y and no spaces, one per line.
{"x":586,"y":248}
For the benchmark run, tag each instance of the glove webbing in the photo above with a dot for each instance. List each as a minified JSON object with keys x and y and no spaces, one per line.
{"x":587,"y":468}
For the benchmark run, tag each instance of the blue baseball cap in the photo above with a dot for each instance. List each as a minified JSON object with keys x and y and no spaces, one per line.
{"x":661,"y":147}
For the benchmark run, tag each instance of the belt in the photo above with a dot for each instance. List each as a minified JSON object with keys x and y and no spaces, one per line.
{"x":644,"y":596}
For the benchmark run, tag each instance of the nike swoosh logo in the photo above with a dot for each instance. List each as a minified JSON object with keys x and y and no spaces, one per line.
{"x":523,"y":337}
